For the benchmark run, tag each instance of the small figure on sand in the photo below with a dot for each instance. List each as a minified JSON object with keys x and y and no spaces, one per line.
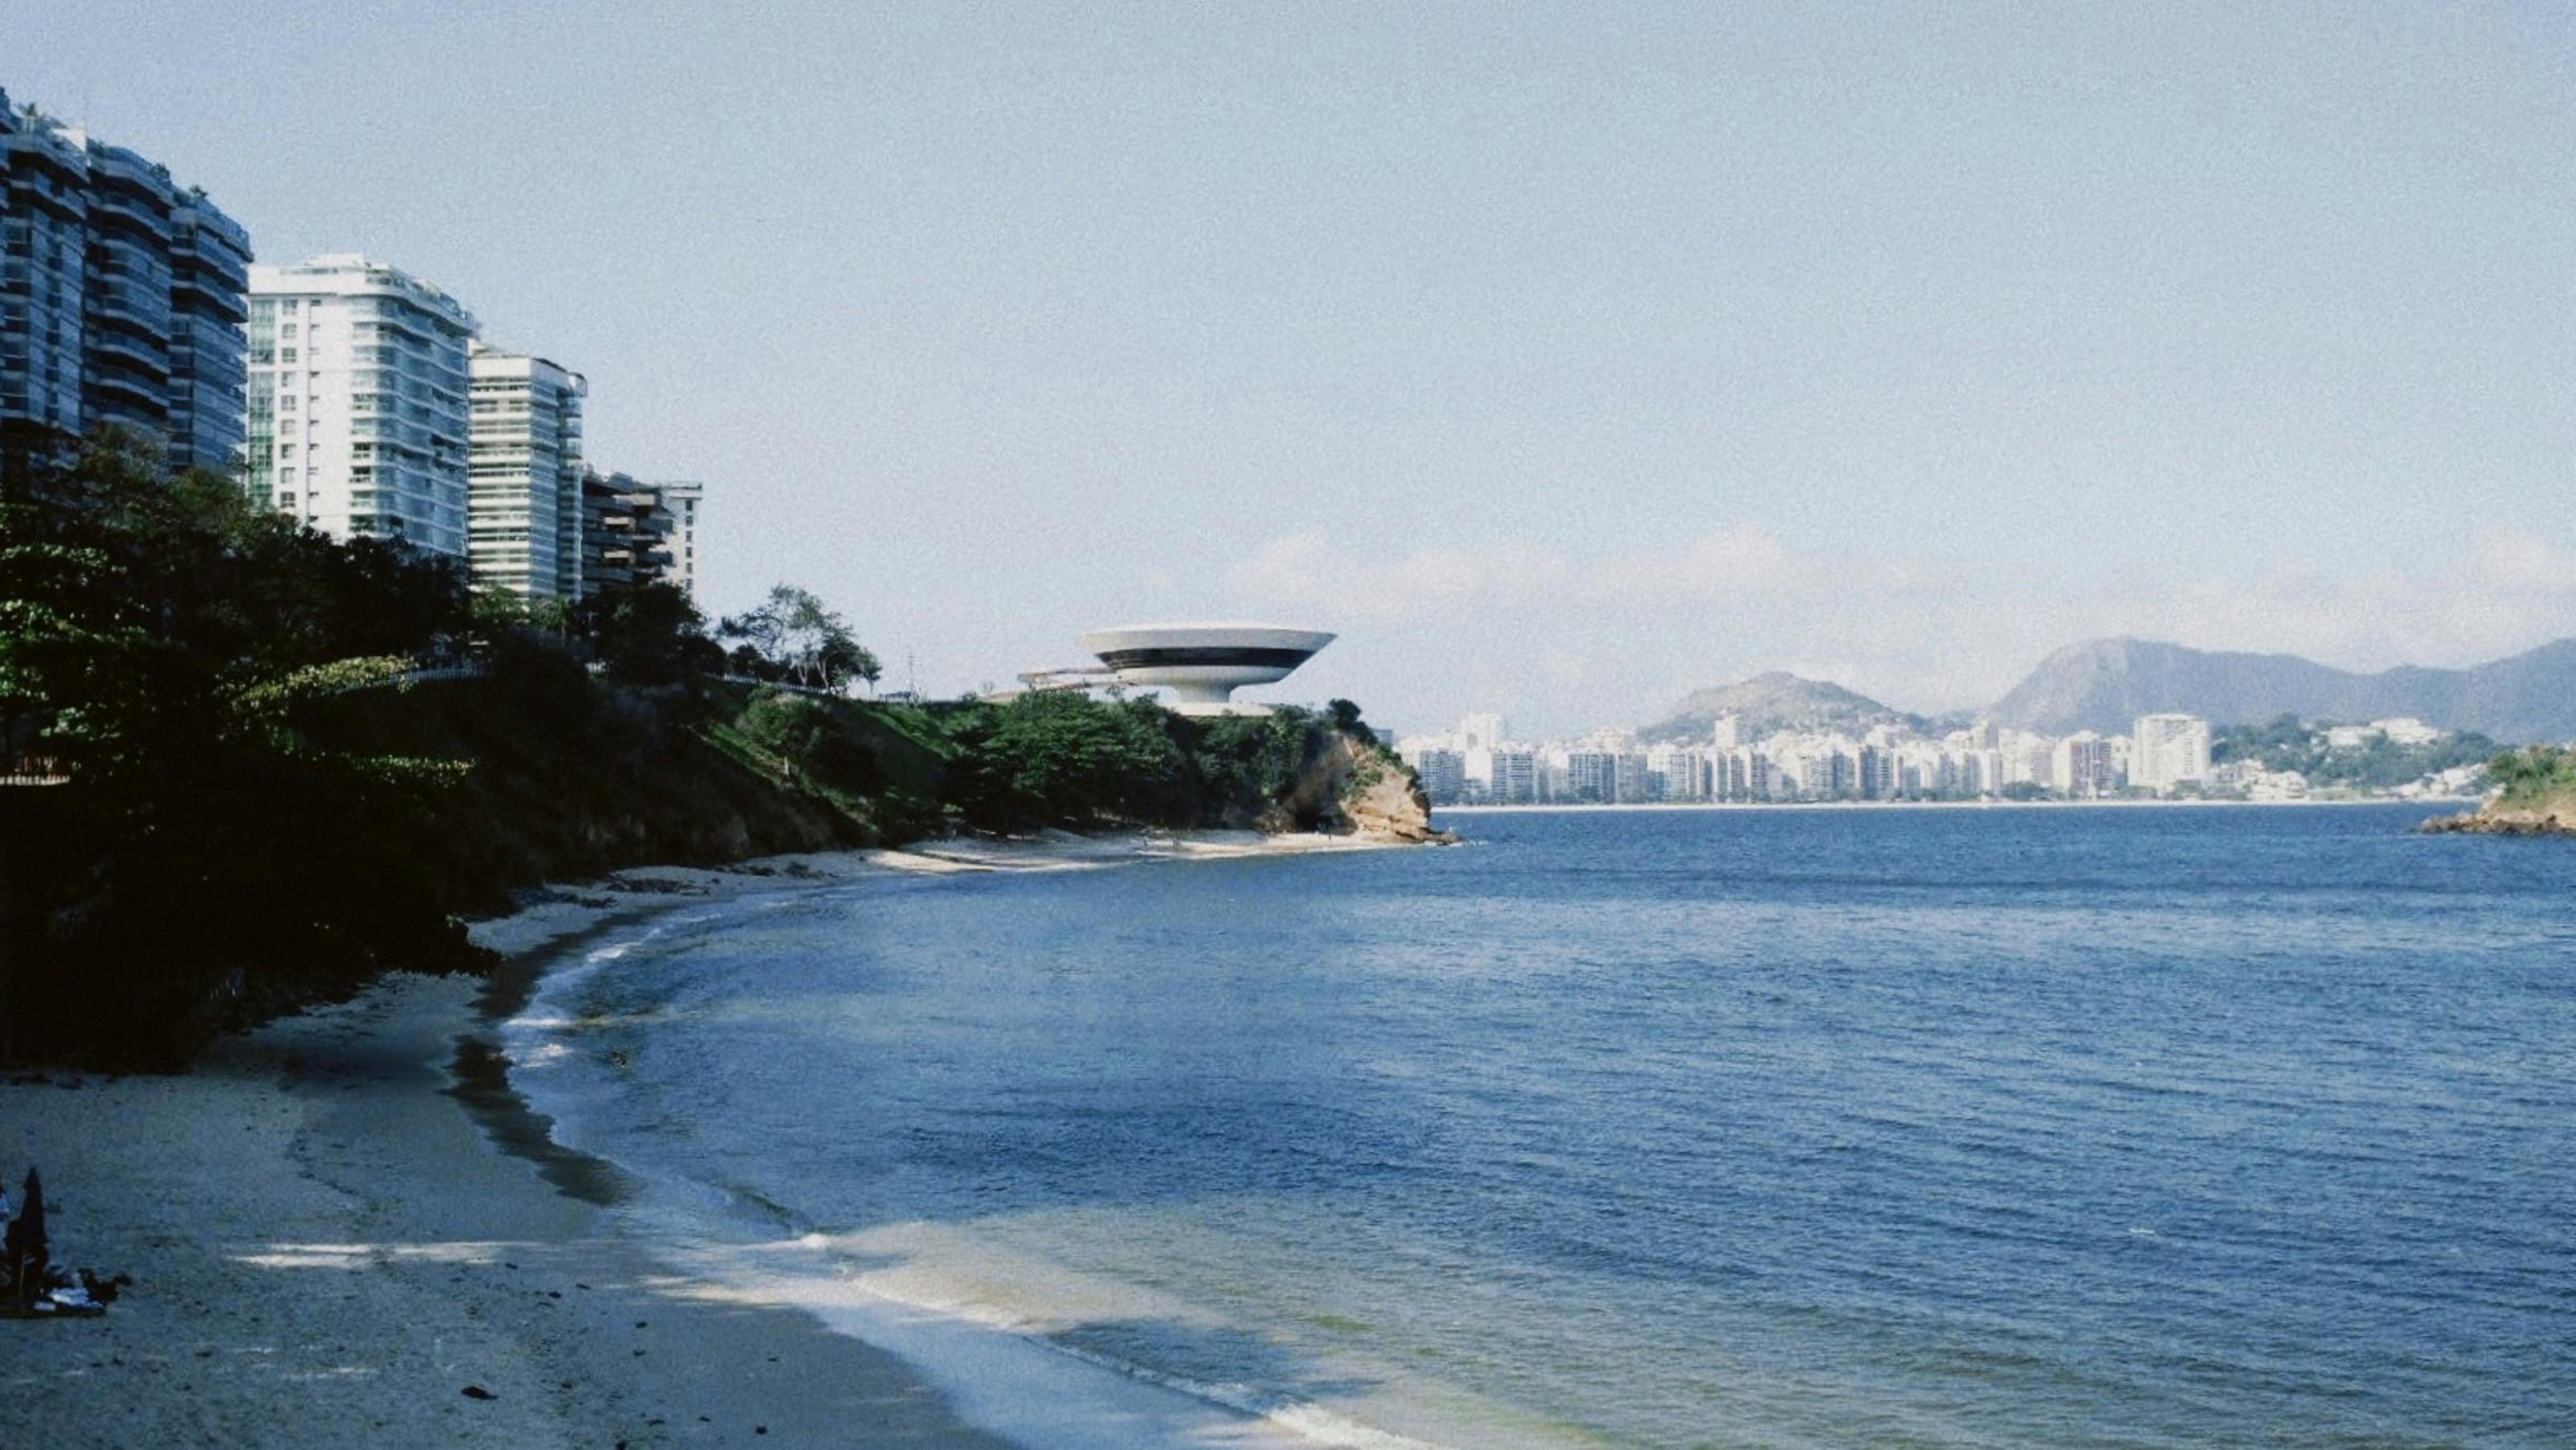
{"x":23,"y":1255}
{"x":29,"y":1284}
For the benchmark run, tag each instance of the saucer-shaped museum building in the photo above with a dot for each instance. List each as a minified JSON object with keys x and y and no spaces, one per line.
{"x":1202,"y":665}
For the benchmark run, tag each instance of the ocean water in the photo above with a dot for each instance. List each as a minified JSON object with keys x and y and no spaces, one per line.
{"x":2010,"y":1127}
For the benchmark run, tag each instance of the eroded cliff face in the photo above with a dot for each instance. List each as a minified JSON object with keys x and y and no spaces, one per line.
{"x":1349,"y":788}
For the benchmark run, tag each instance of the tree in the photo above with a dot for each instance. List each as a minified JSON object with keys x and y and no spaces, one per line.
{"x":210,"y":858}
{"x":844,"y":659}
{"x":796,"y":632}
{"x":652,"y":635}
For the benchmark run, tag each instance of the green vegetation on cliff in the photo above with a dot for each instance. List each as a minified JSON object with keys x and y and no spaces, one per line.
{"x":2535,"y":795}
{"x":2540,"y":780}
{"x":275,"y":766}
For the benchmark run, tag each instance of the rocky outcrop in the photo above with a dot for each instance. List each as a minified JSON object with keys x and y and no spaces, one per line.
{"x":1353,"y":787}
{"x":2550,"y":818}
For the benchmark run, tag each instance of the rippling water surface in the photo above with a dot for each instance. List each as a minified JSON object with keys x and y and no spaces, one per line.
{"x":2047,"y":1127}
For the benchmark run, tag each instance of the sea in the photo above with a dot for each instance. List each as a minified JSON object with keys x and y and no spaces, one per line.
{"x":2047,"y":1126}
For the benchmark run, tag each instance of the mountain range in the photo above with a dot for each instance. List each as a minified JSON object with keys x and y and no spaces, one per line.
{"x":2104,"y":685}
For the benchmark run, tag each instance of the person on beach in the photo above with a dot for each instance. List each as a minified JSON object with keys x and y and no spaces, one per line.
{"x":23,"y":1254}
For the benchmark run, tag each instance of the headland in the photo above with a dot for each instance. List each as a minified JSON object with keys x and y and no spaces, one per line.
{"x":2535,"y":796}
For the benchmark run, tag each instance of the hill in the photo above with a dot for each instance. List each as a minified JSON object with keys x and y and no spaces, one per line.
{"x":2535,"y":795}
{"x":2106,"y":684}
{"x":1775,"y":701}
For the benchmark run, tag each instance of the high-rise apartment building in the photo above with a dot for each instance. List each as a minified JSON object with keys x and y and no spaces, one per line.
{"x":1515,"y":775}
{"x":209,"y":351}
{"x":1678,"y":772}
{"x":625,"y":534}
{"x":682,"y":497}
{"x":523,"y":509}
{"x":358,"y":421}
{"x":1592,"y":775}
{"x":2167,"y":750}
{"x":1443,"y":774}
{"x":121,"y":299}
{"x":2082,"y":766}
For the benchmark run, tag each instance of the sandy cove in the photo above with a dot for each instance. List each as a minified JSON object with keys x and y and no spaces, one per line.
{"x":329,"y":1246}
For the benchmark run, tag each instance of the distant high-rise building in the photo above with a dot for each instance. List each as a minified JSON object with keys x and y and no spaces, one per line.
{"x":1985,"y":775}
{"x":1741,"y":774}
{"x":121,"y":300}
{"x":682,"y":498}
{"x":1878,"y":773}
{"x":1592,"y":775}
{"x":1480,"y":731}
{"x":1634,"y":785}
{"x":2082,"y":766}
{"x":1443,"y":774}
{"x":625,"y":534}
{"x":523,"y":510}
{"x":1515,"y":775}
{"x":2167,"y":750}
{"x":1678,"y":772}
{"x":358,"y":401}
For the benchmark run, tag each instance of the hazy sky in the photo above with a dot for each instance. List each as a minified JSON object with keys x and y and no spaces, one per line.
{"x":1562,"y":358}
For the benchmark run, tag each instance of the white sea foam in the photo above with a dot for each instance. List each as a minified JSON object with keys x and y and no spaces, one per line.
{"x":983,"y":1324}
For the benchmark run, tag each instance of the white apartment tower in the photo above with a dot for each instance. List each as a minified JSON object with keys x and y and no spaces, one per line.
{"x":682,"y":499}
{"x":2082,"y":766}
{"x":2166,"y":750}
{"x":357,"y":401}
{"x":523,"y":498}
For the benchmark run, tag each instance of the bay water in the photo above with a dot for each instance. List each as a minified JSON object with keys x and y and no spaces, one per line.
{"x":1901,"y":1127}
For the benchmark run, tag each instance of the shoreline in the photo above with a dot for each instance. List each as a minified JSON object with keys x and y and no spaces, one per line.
{"x":339,"y":1222}
{"x":1572,"y":807}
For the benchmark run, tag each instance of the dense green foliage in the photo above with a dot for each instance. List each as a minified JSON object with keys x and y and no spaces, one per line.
{"x":211,"y":857}
{"x":647,"y":636}
{"x":2288,"y":743}
{"x":1062,"y":758}
{"x":2541,"y":777}
{"x":288,"y":764}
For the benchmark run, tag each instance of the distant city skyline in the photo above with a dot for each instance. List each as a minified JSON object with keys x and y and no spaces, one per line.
{"x":1561,"y":363}
{"x":1480,"y":761}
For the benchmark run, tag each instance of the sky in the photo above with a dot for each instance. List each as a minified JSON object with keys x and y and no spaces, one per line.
{"x":1562,"y":358}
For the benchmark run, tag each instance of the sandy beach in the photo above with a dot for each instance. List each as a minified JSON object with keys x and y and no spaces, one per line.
{"x":343,"y":1230}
